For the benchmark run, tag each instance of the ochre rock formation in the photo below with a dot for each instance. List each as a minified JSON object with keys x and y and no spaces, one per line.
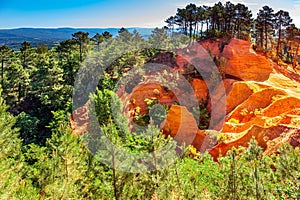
{"x":200,"y":88}
{"x":180,"y":124}
{"x":241,"y":60}
{"x":151,"y":91}
{"x":211,"y":46}
{"x":261,"y":100}
{"x":249,"y":68}
{"x":80,"y":121}
{"x":238,"y":94}
{"x":238,"y":47}
{"x":265,"y":106}
{"x":263,"y":136}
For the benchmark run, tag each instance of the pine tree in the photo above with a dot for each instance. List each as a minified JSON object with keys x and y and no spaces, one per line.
{"x":59,"y":169}
{"x":243,"y":20}
{"x":26,"y":54}
{"x":282,"y":20}
{"x":181,"y":20}
{"x":13,"y":169}
{"x":287,"y":166}
{"x":68,"y":60}
{"x":107,"y":35}
{"x":216,"y":14}
{"x":5,"y":55}
{"x":98,"y":38}
{"x":293,"y":38}
{"x":258,"y":166}
{"x":201,"y":18}
{"x":191,"y":10}
{"x":229,"y":18}
{"x":82,"y":40}
{"x":16,"y":84}
{"x":158,"y":39}
{"x":170,"y":24}
{"x":264,"y":23}
{"x":48,"y":84}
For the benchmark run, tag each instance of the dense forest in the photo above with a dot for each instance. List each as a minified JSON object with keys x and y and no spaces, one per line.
{"x":41,"y":158}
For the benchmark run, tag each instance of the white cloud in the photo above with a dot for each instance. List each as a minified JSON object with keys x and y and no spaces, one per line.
{"x":295,"y":14}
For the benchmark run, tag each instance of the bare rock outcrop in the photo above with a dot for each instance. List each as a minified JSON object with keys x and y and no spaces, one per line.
{"x":200,"y":88}
{"x":80,"y":121}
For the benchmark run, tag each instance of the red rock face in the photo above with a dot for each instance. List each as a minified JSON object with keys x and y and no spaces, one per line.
{"x":211,"y":46}
{"x":262,"y":135}
{"x":256,"y":102}
{"x":247,"y":67}
{"x":180,"y":124}
{"x":200,"y":88}
{"x":238,"y":47}
{"x":80,"y":121}
{"x":241,"y":60}
{"x":238,"y":94}
{"x":153,"y":91}
{"x":181,"y":62}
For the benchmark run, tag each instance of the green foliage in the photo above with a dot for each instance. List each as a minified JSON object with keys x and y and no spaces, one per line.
{"x":204,"y":115}
{"x":68,"y":60}
{"x":65,"y":168}
{"x":144,"y":186}
{"x":287,"y":174}
{"x":60,"y":118}
{"x":108,"y":107}
{"x":158,"y":114}
{"x":28,"y":126}
{"x":140,"y":119}
{"x":81,"y":39}
{"x":16,"y":83}
{"x":48,"y":84}
{"x":158,"y":39}
{"x":14,"y":183}
{"x":40,"y":158}
{"x":249,"y":175}
{"x":219,"y":19}
{"x":59,"y":168}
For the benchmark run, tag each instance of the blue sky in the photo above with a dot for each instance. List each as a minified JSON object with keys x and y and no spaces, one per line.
{"x":112,"y":13}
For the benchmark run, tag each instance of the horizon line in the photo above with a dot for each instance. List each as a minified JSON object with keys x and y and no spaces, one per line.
{"x":70,"y":27}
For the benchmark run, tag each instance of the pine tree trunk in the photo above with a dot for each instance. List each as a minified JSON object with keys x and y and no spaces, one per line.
{"x":278,"y":42}
{"x":261,"y":39}
{"x":266,"y":37}
{"x":191,"y":31}
{"x":195,"y":28}
{"x":295,"y":57}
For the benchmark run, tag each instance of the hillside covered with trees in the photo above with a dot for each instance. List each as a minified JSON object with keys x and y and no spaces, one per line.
{"x":66,"y":111}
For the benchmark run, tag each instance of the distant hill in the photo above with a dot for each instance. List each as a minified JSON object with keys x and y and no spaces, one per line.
{"x":51,"y":36}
